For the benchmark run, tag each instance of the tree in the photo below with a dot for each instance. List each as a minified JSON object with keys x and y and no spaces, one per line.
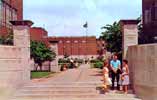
{"x":40,"y":53}
{"x":113,"y":37}
{"x":141,"y":36}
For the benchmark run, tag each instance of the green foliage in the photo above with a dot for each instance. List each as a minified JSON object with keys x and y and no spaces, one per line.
{"x":41,"y":53}
{"x":63,"y":60}
{"x":79,"y":60}
{"x":7,"y":40}
{"x":113,"y":37}
{"x":141,"y":37}
{"x":67,"y":60}
{"x":98,"y":64}
{"x":40,"y":74}
{"x":94,"y":61}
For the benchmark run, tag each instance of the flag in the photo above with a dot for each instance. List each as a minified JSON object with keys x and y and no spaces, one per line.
{"x":85,"y":25}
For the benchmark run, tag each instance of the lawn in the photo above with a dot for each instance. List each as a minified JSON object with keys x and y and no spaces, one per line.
{"x":40,"y":74}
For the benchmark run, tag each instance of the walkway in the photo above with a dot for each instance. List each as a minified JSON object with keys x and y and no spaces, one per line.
{"x":74,"y":84}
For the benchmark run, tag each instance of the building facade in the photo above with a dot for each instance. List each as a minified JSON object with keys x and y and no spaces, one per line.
{"x":9,"y":10}
{"x":38,"y":34}
{"x":76,"y":47}
{"x":149,"y":21}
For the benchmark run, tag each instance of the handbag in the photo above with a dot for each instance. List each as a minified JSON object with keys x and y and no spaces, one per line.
{"x":119,"y":71}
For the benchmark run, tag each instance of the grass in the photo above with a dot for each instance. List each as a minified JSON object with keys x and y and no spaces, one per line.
{"x":40,"y":74}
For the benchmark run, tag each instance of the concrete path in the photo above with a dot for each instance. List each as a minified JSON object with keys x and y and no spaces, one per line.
{"x":73,"y":84}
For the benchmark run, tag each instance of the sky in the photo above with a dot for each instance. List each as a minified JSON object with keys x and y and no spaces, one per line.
{"x":67,"y":17}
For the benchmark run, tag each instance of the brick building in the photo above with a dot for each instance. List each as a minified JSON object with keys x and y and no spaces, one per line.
{"x":76,"y":47}
{"x":149,"y":20}
{"x":9,"y":10}
{"x":38,"y":34}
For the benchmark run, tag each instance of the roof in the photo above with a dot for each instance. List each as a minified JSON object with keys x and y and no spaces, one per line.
{"x":129,"y":21}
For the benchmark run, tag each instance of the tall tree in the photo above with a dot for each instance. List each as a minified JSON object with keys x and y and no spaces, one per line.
{"x":113,"y":36}
{"x":40,"y":53}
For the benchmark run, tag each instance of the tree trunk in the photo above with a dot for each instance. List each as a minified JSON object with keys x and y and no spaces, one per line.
{"x":49,"y":66}
{"x":40,"y":65}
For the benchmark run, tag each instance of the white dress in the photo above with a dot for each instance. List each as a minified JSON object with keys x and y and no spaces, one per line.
{"x":125,"y":80}
{"x":107,"y":80}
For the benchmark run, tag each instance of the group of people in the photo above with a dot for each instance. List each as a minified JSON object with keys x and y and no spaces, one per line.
{"x":121,"y":74}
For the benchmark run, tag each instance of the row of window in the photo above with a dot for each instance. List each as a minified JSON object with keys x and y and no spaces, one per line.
{"x":74,"y":41}
{"x":7,"y":13}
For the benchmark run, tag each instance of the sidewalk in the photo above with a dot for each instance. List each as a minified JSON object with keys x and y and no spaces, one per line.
{"x":82,"y":74}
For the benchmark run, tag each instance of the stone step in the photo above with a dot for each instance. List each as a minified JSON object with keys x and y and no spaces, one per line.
{"x":49,"y":94}
{"x":58,"y":91}
{"x":68,"y":83}
{"x":66,"y":92}
{"x":59,"y":88}
{"x":58,"y":85}
{"x":64,"y":85}
{"x":89,"y":95}
{"x":49,"y":98}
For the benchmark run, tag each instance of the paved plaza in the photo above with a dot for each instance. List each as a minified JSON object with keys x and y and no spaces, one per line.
{"x":73,"y":84}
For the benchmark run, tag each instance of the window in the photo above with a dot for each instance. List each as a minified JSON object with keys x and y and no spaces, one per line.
{"x":75,"y":41}
{"x":155,"y":11}
{"x":7,"y":13}
{"x":1,"y":16}
{"x":14,"y":14}
{"x":60,"y":41}
{"x":83,"y":41}
{"x":67,"y":41}
{"x":147,"y":16}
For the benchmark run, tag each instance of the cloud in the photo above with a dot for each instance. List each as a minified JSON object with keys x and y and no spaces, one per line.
{"x":66,"y":17}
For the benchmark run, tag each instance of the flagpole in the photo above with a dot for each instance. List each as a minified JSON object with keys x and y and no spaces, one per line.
{"x":86,"y":32}
{"x":86,"y":41}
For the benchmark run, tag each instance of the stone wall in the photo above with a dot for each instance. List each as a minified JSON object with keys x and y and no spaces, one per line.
{"x":10,"y":70}
{"x":54,"y":63}
{"x":15,"y":60}
{"x":143,"y":70}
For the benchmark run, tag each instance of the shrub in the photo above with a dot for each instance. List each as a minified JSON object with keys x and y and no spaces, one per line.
{"x":98,"y":64}
{"x":79,"y":60}
{"x":63,"y":60}
{"x":94,"y":61}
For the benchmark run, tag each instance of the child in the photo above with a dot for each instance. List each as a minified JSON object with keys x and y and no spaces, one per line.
{"x":125,"y":76}
{"x":106,"y":79}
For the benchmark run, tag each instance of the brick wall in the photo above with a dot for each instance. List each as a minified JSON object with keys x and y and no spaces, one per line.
{"x":38,"y":33}
{"x":15,"y":4}
{"x":18,"y":4}
{"x":76,"y":45}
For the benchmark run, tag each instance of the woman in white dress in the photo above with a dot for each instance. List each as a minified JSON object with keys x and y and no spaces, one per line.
{"x":106,"y":79}
{"x":125,"y":76}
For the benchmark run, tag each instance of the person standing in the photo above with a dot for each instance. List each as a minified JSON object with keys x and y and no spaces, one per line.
{"x":106,"y":79}
{"x":125,"y":76}
{"x":115,"y":65}
{"x":71,"y":63}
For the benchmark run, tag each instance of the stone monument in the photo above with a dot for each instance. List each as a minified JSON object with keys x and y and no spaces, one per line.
{"x":129,"y":34}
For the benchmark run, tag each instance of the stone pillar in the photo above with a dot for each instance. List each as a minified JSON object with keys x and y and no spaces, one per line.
{"x":54,"y":63}
{"x":129,"y":34}
{"x":21,"y":31}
